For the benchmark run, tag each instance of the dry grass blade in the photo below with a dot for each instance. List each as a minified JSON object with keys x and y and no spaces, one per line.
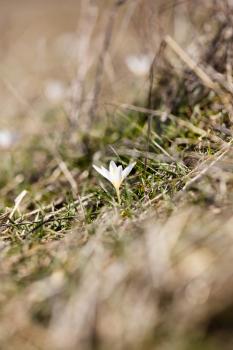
{"x":205,"y":78}
{"x":201,"y":171}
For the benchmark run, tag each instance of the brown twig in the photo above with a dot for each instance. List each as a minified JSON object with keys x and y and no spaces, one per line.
{"x":207,"y":81}
{"x":100,"y":65}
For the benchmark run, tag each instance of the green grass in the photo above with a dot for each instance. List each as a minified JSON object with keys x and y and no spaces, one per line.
{"x":51,"y":208}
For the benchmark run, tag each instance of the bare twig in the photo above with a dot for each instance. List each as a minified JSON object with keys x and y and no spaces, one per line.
{"x":207,"y":81}
{"x":101,"y":62}
{"x":68,"y":176}
{"x":150,"y":96}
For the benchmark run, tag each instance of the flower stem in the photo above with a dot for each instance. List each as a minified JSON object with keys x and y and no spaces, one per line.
{"x":118,"y":195}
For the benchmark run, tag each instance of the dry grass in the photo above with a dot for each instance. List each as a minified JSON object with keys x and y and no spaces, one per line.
{"x":78,"y":270}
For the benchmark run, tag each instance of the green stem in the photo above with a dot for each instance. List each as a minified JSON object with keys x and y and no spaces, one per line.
{"x":118,"y":195}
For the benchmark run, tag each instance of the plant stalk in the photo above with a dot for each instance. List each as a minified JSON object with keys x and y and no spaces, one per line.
{"x":118,"y":195}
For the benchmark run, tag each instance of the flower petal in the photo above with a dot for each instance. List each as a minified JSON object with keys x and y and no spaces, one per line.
{"x":116,"y":177}
{"x":113,"y":172}
{"x":119,"y":174}
{"x":112,"y":166}
{"x":127,"y":170}
{"x":104,"y":172}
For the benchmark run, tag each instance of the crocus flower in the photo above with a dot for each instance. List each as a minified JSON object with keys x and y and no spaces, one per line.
{"x":115,"y":175}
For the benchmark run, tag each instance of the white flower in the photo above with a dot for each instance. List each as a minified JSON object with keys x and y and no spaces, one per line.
{"x":115,"y":175}
{"x":8,"y":138}
{"x":139,"y":65}
{"x":54,"y":91}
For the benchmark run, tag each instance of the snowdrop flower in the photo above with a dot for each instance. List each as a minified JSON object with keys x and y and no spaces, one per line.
{"x":139,"y":65}
{"x":115,"y":175}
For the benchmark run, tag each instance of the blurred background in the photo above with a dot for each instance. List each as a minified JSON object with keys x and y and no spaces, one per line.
{"x":52,"y":53}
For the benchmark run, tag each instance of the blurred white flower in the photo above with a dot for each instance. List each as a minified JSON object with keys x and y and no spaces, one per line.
{"x":140,"y":64}
{"x":115,"y":175}
{"x":54,"y":91}
{"x":7,"y":138}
